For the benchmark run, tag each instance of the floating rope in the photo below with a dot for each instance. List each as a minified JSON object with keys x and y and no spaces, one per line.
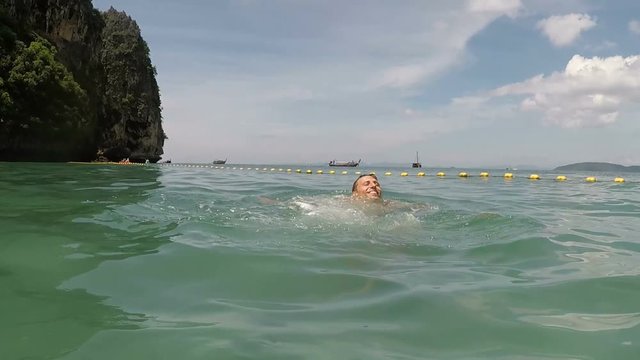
{"x":440,"y":174}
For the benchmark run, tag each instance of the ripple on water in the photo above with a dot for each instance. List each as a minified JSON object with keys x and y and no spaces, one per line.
{"x":194,"y":263}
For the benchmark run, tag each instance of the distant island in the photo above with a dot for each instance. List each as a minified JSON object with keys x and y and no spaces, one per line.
{"x":598,"y":166}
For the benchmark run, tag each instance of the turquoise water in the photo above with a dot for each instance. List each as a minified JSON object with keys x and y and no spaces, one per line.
{"x":177,"y":262}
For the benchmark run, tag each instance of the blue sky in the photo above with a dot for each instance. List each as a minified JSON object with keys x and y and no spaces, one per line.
{"x":484,"y":83}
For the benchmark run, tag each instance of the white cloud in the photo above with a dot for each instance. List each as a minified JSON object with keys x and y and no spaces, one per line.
{"x":564,"y":30}
{"x":446,"y":39}
{"x":406,"y":76}
{"x":589,"y":92}
{"x":401,"y":76}
{"x":506,"y":7}
{"x":634,"y":26}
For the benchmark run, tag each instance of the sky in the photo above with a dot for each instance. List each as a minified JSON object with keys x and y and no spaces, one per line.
{"x":474,"y":83}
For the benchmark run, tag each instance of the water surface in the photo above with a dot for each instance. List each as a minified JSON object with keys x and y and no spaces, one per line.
{"x":168,"y":262}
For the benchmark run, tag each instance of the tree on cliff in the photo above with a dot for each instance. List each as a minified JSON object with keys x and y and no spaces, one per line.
{"x":42,"y":109}
{"x":75,"y":83}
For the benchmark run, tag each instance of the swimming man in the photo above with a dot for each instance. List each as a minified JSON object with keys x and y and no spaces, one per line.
{"x":367,"y":187}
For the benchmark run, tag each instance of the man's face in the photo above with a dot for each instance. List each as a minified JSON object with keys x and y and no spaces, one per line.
{"x":368,"y":187}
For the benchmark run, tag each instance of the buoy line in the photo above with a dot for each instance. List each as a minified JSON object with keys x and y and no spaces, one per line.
{"x":508,"y":176}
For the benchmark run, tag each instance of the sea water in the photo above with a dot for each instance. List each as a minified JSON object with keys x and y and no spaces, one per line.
{"x":254,"y":262}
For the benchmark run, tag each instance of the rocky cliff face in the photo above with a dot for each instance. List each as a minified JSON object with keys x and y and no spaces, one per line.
{"x":132,"y":99}
{"x":110,"y":61}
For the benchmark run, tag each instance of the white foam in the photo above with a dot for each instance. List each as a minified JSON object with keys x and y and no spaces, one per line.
{"x":343,"y":210}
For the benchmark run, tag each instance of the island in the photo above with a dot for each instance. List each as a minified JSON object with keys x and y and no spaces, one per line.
{"x":76,"y":84}
{"x":598,"y":166}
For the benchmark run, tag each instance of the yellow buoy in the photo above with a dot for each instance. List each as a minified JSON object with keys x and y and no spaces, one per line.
{"x":508,"y":175}
{"x":440,"y":174}
{"x":591,"y":179}
{"x":309,"y":172}
{"x":273,"y":169}
{"x":387,"y":173}
{"x":288,"y":170}
{"x":319,"y":172}
{"x":344,"y":172}
{"x":534,"y":177}
{"x":298,"y":171}
{"x":421,"y":174}
{"x":484,"y":174}
{"x":280,"y":170}
{"x":561,"y":178}
{"x":404,"y":174}
{"x":332,"y":172}
{"x":618,"y":180}
{"x":264,"y":169}
{"x":358,"y":172}
{"x":463,"y":174}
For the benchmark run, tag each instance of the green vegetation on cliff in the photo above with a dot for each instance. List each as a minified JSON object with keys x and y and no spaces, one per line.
{"x":43,"y":111}
{"x":75,"y":84}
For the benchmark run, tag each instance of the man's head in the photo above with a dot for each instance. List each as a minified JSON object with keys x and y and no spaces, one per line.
{"x":367,"y":187}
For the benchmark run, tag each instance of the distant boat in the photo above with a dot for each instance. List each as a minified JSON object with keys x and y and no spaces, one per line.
{"x":344,"y":163}
{"x":165,"y":162}
{"x":220,"y":162}
{"x":417,"y":163}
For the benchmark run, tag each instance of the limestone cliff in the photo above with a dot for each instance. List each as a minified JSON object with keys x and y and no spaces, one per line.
{"x":107,"y":57}
{"x":132,"y":99}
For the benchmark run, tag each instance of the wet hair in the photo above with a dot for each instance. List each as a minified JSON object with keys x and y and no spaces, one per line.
{"x":355,"y":183}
